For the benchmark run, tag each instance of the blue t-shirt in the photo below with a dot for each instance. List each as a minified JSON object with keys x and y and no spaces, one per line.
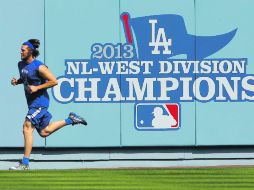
{"x":29,"y":73}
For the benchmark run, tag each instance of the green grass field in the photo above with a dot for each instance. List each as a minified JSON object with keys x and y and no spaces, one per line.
{"x":186,"y":179}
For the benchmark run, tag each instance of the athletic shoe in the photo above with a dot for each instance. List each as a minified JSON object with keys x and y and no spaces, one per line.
{"x":20,"y":166}
{"x":76,"y":119}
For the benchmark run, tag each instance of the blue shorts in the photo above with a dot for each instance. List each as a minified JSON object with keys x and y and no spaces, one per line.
{"x":39,"y":117}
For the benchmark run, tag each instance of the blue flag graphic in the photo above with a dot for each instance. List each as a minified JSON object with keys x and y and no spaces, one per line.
{"x":172,"y":27}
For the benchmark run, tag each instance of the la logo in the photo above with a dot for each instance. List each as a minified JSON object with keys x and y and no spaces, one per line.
{"x":159,"y":39}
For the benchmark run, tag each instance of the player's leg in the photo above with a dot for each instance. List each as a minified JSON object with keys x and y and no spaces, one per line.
{"x":54,"y":126}
{"x":28,"y":129}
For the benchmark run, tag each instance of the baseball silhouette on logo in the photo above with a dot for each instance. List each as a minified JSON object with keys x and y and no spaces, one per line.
{"x":162,"y":121}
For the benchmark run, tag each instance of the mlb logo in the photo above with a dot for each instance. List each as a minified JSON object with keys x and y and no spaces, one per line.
{"x":157,"y":116}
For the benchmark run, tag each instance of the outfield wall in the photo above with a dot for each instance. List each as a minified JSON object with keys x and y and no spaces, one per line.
{"x":67,"y":31}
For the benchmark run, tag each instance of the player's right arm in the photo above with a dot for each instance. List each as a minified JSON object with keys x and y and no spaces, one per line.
{"x":15,"y":82}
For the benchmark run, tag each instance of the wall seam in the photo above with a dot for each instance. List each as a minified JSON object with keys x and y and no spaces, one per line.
{"x":44,"y":16}
{"x":120,"y":76}
{"x":195,"y":46}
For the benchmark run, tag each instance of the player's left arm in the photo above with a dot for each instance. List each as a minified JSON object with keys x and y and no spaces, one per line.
{"x":46,"y":74}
